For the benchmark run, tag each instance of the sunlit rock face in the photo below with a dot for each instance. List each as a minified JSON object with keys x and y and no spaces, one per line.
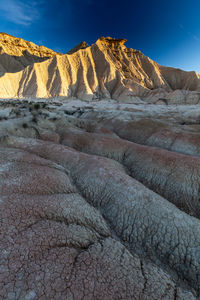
{"x":99,"y":201}
{"x":114,"y":44}
{"x":106,"y":69}
{"x":16,"y":54}
{"x":16,"y":47}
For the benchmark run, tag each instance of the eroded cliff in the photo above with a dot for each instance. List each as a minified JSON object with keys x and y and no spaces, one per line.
{"x":106,"y":69}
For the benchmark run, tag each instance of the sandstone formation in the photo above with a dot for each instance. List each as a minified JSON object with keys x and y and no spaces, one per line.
{"x":16,"y":47}
{"x":106,"y":69}
{"x":99,"y":202}
{"x":16,"y":54}
{"x":80,"y":46}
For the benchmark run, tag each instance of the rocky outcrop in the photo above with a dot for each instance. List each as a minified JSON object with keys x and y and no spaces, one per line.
{"x":113,"y":44}
{"x":16,"y":54}
{"x":16,"y":47}
{"x":106,"y":69}
{"x":80,"y":46}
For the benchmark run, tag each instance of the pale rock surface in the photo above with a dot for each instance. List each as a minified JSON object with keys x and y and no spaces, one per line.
{"x":176,"y":97}
{"x":193,"y":98}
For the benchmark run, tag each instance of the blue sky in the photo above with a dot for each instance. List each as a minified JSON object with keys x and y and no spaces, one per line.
{"x":166,"y":31}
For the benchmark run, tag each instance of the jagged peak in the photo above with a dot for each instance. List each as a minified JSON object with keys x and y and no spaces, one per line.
{"x":80,"y":46}
{"x":110,"y":42}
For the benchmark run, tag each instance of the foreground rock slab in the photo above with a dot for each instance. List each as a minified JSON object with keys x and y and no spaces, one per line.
{"x":88,"y":213}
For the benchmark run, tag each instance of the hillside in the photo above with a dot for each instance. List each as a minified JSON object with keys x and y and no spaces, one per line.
{"x":106,"y":69}
{"x":16,"y":53}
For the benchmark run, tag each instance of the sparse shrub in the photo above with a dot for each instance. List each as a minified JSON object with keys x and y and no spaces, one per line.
{"x":25,"y":125}
{"x":34,"y":120}
{"x":37,"y":106}
{"x":90,"y":127}
{"x":44,"y":105}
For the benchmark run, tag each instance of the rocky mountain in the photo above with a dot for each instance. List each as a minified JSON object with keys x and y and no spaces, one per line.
{"x":106,"y":69}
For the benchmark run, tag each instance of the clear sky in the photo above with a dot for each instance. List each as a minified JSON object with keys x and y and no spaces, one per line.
{"x":168,"y":31}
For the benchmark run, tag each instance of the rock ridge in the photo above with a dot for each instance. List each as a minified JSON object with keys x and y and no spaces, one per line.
{"x":106,"y":69}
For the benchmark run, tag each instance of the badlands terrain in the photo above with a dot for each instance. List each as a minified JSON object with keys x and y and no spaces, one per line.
{"x":100,"y":179}
{"x":99,"y":200}
{"x":106,"y":69}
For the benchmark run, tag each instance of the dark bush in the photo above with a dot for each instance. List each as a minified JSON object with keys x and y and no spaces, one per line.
{"x":37,"y":106}
{"x":34,"y":120}
{"x":25,"y":125}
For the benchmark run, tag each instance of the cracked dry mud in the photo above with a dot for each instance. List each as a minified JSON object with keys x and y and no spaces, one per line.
{"x":99,"y":203}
